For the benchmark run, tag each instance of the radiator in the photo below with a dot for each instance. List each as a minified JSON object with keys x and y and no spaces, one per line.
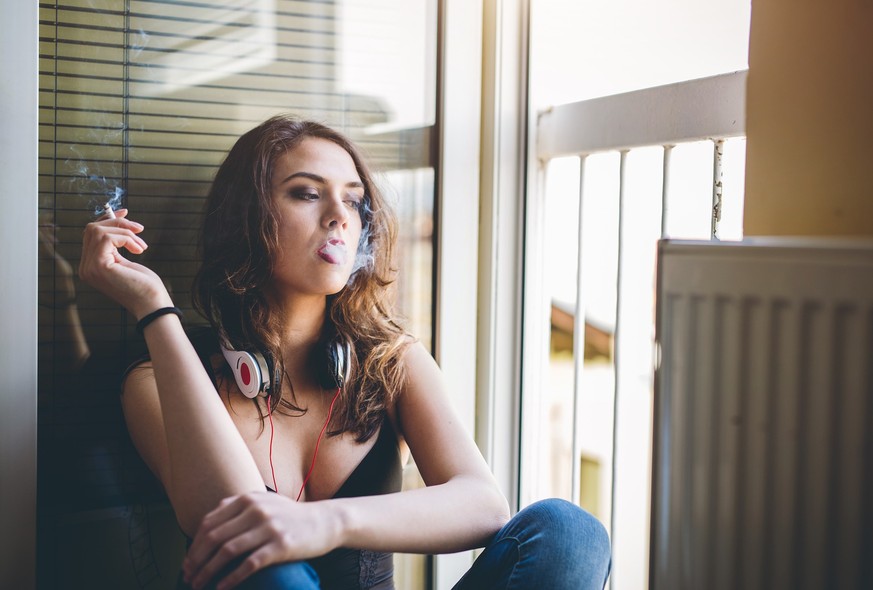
{"x":762,"y":468}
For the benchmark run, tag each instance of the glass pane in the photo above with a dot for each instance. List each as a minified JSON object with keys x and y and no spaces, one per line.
{"x":139,"y":102}
{"x":599,"y":282}
{"x":640,"y":231}
{"x":582,"y":50}
{"x":411,"y":193}
{"x":688,"y":207}
{"x":689,"y":196}
{"x":733,"y":195}
{"x":554,"y":453}
{"x":557,"y":461}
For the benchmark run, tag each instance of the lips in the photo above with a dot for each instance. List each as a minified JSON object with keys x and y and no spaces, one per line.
{"x":333,"y":251}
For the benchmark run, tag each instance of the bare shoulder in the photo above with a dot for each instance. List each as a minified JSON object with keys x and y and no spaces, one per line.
{"x":423,"y":394}
{"x":422,"y":375}
{"x":138,"y":379}
{"x":440,"y":442}
{"x":419,"y":364}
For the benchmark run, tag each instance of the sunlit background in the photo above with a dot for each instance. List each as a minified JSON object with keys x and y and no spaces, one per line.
{"x":586,"y":50}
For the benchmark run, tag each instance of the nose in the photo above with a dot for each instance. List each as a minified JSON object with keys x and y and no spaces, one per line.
{"x":336,"y":212}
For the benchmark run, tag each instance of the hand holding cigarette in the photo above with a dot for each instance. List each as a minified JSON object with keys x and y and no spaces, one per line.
{"x":131,"y":284}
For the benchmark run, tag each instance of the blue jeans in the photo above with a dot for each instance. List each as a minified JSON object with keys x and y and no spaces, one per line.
{"x":550,"y":544}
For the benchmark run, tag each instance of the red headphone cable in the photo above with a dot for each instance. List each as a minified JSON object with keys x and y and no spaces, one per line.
{"x":270,"y":416}
{"x":314,"y":454}
{"x":318,"y":441}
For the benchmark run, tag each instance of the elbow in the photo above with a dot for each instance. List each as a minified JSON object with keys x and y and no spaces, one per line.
{"x":189,"y":514}
{"x":188,"y":524}
{"x":500,"y":514}
{"x":188,"y":520}
{"x":493,"y":510}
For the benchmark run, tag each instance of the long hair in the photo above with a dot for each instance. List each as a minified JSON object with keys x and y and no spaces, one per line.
{"x":239,"y":246}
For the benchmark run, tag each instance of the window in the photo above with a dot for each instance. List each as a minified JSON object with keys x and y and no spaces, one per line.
{"x":139,"y":102}
{"x":640,"y":151}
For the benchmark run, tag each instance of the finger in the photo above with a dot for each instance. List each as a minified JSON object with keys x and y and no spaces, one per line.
{"x":122,"y":221}
{"x":125,"y":238}
{"x":246,"y":543}
{"x":119,"y":218}
{"x":258,"y":560}
{"x":100,"y":251}
{"x":208,"y":534}
{"x":98,"y":231}
{"x":133,"y":226}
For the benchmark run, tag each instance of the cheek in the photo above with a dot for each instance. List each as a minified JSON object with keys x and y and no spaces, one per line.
{"x":291,"y":231}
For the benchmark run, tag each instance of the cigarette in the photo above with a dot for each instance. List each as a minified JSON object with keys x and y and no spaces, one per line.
{"x":109,"y":211}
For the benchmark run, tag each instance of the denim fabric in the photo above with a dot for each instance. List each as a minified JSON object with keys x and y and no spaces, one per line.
{"x":550,"y":544}
{"x":297,"y":575}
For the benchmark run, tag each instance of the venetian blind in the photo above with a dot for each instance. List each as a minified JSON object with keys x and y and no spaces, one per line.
{"x":139,"y":102}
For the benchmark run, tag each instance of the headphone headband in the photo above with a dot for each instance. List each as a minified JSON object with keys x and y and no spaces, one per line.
{"x":253,"y":372}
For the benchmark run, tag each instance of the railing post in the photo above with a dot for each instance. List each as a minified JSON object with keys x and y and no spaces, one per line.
{"x":665,"y":188}
{"x":717,"y":186}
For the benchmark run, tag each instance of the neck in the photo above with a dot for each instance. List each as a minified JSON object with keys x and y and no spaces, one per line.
{"x":304,"y":321}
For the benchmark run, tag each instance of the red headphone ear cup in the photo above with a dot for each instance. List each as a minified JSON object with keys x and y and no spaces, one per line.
{"x":249,"y":371}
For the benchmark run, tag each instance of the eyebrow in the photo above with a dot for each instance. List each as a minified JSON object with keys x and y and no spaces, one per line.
{"x":320,"y":179}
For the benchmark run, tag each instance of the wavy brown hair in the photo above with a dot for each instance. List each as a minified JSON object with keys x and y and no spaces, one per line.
{"x":238,"y":247}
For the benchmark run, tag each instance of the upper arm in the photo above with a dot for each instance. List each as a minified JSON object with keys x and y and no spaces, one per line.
{"x":441,"y":445}
{"x":142,"y":413}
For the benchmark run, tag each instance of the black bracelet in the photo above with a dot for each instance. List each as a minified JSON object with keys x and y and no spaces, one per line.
{"x":149,"y":318}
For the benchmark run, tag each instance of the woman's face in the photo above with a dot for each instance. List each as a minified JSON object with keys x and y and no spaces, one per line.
{"x":318,"y":195}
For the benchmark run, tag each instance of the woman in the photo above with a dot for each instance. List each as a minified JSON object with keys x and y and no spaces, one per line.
{"x":296,"y":260}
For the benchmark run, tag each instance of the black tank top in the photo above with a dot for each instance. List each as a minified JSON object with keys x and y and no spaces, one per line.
{"x":379,"y":472}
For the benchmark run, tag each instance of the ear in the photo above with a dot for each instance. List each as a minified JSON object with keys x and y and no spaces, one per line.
{"x":250,"y":371}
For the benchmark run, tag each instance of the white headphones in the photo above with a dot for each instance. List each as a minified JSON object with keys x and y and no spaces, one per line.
{"x":250,"y":370}
{"x":254,"y":373}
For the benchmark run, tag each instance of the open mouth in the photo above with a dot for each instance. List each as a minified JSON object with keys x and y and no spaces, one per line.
{"x":333,"y":252}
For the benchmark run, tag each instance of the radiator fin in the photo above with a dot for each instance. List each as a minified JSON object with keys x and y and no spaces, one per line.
{"x":763,"y":465}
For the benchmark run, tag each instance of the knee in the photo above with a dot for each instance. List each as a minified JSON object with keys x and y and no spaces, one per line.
{"x":561,"y":526}
{"x":560,"y":546}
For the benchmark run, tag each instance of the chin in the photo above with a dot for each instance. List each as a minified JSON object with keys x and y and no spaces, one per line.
{"x":338,"y":285}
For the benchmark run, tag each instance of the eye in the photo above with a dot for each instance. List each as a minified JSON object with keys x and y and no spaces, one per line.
{"x":305,"y":194}
{"x":354,"y":202}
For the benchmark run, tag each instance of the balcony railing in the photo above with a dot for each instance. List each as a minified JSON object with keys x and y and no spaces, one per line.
{"x":622,"y":130}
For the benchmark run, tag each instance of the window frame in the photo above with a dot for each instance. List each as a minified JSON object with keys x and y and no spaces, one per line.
{"x":19,"y":38}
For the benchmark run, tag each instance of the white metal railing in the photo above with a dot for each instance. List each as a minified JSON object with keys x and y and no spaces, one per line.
{"x":710,"y":109}
{"x":705,"y":109}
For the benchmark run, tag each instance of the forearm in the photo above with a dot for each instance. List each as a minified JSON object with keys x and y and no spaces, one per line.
{"x":207,"y":458}
{"x":177,"y":422}
{"x":460,"y":514}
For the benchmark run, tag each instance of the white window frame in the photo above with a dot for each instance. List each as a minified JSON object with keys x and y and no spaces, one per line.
{"x":483,"y":153}
{"x":19,"y":42}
